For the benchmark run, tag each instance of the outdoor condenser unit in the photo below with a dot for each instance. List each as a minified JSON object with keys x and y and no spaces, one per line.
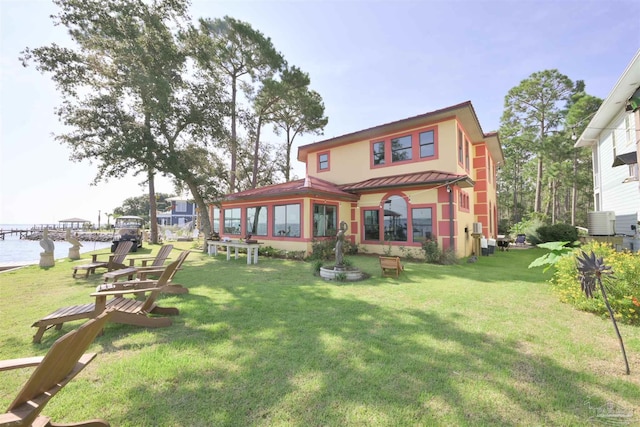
{"x":601,"y":223}
{"x":477,"y":228}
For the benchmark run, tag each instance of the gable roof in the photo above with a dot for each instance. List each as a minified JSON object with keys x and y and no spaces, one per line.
{"x":408,"y":180}
{"x":463,"y":111}
{"x":615,"y":102}
{"x":309,"y":186}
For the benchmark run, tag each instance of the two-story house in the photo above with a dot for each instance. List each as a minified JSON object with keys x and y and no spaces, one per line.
{"x":182,"y":211}
{"x":613,"y":134}
{"x":395,"y":185}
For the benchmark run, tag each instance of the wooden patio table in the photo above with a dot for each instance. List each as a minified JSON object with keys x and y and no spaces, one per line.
{"x":252,"y":249}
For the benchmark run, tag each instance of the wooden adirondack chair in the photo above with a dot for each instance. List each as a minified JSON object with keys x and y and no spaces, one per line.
{"x":143,"y":280}
{"x":125,"y":310}
{"x":64,"y":360}
{"x":158,"y":263}
{"x":116,"y":260}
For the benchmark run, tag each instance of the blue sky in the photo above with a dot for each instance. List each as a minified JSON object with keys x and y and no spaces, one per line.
{"x":372,"y":61}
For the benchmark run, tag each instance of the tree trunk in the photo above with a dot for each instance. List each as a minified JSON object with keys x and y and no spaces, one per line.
{"x":256,"y":152}
{"x":153,"y":212}
{"x":538,"y":202}
{"x":554,"y":209}
{"x":153,"y":206}
{"x":234,"y":141}
{"x":287,"y":162}
{"x":205,"y":222}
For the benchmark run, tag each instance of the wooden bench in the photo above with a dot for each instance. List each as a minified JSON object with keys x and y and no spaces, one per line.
{"x":390,"y":264}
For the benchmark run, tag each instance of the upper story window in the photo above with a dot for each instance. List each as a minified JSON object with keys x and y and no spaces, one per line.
{"x":467,"y":153}
{"x":378,"y":153}
{"x":414,"y":146}
{"x":323,"y":161}
{"x":401,"y":148}
{"x":627,"y":129}
{"x":181,"y":206}
{"x":460,"y":147}
{"x":427,"y":144}
{"x":633,"y":172}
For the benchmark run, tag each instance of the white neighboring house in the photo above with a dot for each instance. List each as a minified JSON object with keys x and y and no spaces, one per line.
{"x":614,"y":137}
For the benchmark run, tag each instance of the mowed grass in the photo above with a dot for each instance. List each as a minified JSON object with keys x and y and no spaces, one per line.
{"x":273,"y":345}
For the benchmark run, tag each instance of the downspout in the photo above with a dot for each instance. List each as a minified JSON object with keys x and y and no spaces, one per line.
{"x":451,"y":241}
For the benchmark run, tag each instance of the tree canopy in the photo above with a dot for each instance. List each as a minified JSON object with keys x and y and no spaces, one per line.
{"x":543,"y":174}
{"x":147,"y":92}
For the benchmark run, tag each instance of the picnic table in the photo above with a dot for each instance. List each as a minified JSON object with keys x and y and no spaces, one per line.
{"x":252,"y":249}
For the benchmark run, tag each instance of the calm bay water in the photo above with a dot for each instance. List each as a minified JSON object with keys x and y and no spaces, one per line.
{"x":13,"y":250}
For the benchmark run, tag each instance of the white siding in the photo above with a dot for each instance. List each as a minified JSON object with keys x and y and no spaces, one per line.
{"x":616,"y":194}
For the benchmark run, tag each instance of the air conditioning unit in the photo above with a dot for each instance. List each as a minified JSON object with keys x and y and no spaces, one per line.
{"x":477,"y":228}
{"x":601,"y":223}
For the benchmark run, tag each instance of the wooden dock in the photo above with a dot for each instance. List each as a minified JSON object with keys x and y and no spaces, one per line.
{"x":22,"y":233}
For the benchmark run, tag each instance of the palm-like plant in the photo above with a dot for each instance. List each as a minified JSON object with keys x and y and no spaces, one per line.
{"x":591,"y":270}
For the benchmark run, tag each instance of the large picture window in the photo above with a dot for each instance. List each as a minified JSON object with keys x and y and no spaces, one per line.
{"x":401,"y":148}
{"x":372,"y":225}
{"x":395,"y":219}
{"x":286,"y":220}
{"x":257,"y":221}
{"x":422,"y":224}
{"x":232,"y":221}
{"x":324,"y":220}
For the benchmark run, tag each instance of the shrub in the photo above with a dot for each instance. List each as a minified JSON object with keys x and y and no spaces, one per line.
{"x":529,"y":228}
{"x":325,"y":248}
{"x":431,"y":251}
{"x":434,"y":255}
{"x":316,"y":265}
{"x":623,"y":293}
{"x":448,"y":257}
{"x":557,"y":233}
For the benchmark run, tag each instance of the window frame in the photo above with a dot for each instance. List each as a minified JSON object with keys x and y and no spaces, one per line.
{"x":282,"y":232}
{"x":239,"y":219}
{"x":432,"y":143}
{"x":215,"y":219}
{"x":433,"y":208}
{"x":402,"y":149}
{"x":313,"y":219}
{"x":320,"y":161}
{"x":248,"y":228}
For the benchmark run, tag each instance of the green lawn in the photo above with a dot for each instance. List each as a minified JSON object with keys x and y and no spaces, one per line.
{"x":271,"y":344}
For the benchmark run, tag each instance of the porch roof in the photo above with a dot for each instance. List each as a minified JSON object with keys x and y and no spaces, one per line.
{"x":410,"y":179}
{"x":309,"y":186}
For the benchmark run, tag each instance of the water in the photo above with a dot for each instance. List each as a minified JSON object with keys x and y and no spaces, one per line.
{"x":14,"y":251}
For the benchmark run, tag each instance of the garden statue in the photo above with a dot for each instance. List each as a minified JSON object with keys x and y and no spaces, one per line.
{"x":339,"y":244}
{"x":74,"y":250}
{"x":46,"y":257}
